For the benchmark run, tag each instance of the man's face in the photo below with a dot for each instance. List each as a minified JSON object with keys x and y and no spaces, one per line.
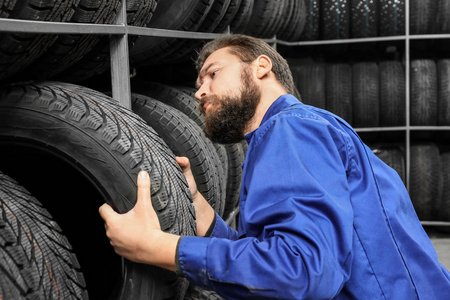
{"x":228,"y":97}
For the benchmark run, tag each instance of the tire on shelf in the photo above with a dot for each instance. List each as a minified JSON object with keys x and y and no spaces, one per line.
{"x":310,"y":82}
{"x":68,"y":49}
{"x":36,"y":259}
{"x":185,"y":15}
{"x":185,"y":138}
{"x":108,"y":144}
{"x":338,"y":90}
{"x":335,"y":19}
{"x":242,"y":16}
{"x":442,"y":20}
{"x":423,"y":16}
{"x":425,"y":180}
{"x":97,"y":61}
{"x":265,"y":18}
{"x":392,"y":93}
{"x":294,"y":21}
{"x":18,"y":50}
{"x":392,"y":17}
{"x":444,"y":205}
{"x":443,"y":68}
{"x":311,"y":31}
{"x":365,"y":95}
{"x":364,"y":18}
{"x":424,"y":92}
{"x":392,"y":156}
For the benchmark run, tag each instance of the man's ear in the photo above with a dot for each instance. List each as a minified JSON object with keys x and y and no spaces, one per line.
{"x":264,"y":66}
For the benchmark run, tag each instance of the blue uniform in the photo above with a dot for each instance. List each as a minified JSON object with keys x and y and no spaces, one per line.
{"x":321,"y":217}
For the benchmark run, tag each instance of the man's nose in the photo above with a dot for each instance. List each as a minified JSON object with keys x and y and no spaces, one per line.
{"x":201,"y":92}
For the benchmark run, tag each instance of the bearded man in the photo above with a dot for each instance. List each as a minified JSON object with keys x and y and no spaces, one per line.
{"x":321,"y":217}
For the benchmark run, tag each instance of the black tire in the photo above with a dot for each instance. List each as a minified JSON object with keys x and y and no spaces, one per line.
{"x":310,"y":81}
{"x":242,"y":17}
{"x":265,"y":18}
{"x":423,"y":16}
{"x":19,"y":50}
{"x":36,"y":259}
{"x":97,"y":61}
{"x":393,"y":157}
{"x":108,"y":144}
{"x":311,"y":31}
{"x":231,"y":155}
{"x":68,"y":49}
{"x":424,"y":92}
{"x":294,"y":21}
{"x":176,"y":15}
{"x":185,"y":138}
{"x":338,"y":87}
{"x":442,"y":20}
{"x":335,"y":19}
{"x":364,"y":18}
{"x":443,"y":67}
{"x":426,"y":180}
{"x":444,"y":206}
{"x":392,"y":17}
{"x":392,"y":93}
{"x":365,"y":100}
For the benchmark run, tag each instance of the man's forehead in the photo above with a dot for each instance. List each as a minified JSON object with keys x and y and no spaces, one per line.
{"x":218,"y":56}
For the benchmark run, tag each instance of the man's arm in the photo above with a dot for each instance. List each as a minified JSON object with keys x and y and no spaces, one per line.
{"x":137,"y":235}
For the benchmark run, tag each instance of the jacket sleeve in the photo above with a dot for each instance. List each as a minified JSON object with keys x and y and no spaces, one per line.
{"x":297,"y":215}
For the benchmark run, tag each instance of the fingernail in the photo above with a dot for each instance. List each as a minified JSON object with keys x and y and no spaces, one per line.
{"x":143,"y":174}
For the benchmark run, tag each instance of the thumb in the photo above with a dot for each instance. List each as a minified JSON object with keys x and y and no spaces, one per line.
{"x":106,"y":212}
{"x":143,"y":190}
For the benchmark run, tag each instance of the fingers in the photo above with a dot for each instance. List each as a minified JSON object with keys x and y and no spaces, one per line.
{"x":106,"y":211}
{"x":183,"y":162}
{"x":143,"y":188}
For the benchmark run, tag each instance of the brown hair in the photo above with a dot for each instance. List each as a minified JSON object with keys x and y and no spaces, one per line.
{"x":248,"y":48}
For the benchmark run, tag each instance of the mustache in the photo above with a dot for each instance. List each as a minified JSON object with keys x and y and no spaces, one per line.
{"x":212,"y":99}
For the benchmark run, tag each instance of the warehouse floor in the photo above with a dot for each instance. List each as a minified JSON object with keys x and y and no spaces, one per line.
{"x":441,"y":242}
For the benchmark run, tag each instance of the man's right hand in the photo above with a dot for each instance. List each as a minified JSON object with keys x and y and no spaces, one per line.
{"x":204,"y":212}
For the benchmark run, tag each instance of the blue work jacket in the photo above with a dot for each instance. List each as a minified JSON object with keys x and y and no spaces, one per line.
{"x":321,"y":217}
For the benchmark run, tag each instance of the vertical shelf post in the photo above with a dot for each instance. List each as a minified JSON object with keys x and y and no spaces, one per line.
{"x":407,"y":95}
{"x":120,"y":66}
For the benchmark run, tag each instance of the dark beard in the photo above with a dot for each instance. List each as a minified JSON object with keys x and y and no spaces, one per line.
{"x":227,"y":124}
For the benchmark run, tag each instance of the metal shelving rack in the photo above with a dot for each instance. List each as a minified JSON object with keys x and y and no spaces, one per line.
{"x":120,"y":69}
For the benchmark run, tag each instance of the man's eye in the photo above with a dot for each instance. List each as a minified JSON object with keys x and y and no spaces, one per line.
{"x":213,"y":73}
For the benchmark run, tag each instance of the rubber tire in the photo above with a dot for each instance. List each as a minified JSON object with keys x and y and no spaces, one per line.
{"x":392,"y":156}
{"x":444,"y":205}
{"x":338,"y":87}
{"x":108,"y":144}
{"x":424,"y":92}
{"x":294,"y":21}
{"x":392,"y":17}
{"x":311,"y":31}
{"x":68,"y":49}
{"x":425,"y":180}
{"x":366,"y":99}
{"x":335,"y":19}
{"x":185,"y":15}
{"x":19,"y":50}
{"x":36,"y":259}
{"x":442,"y":20}
{"x":364,"y":18}
{"x":443,"y":67}
{"x":97,"y":61}
{"x":423,"y":16}
{"x":242,"y":17}
{"x":231,"y":155}
{"x":185,"y":138}
{"x":392,"y":93}
{"x":310,"y":81}
{"x":263,"y":22}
